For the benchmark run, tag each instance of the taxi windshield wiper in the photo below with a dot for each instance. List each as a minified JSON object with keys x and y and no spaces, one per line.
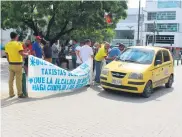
{"x":129,"y":60}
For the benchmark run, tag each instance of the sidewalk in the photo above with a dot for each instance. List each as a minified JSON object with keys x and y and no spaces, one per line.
{"x":91,"y":112}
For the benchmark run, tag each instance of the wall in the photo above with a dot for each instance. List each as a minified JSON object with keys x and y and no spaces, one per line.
{"x":152,"y":6}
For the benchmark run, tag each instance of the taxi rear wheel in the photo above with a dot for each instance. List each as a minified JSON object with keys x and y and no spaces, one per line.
{"x":170,"y":82}
{"x":147,"y":90}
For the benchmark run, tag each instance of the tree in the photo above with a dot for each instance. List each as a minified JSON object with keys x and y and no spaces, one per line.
{"x":22,"y":33}
{"x":54,"y":19}
{"x":95,"y":35}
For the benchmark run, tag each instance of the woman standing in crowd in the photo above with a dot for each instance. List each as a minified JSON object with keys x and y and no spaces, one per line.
{"x":55,"y":52}
{"x":27,"y":46}
{"x":62,"y":58}
{"x":47,"y":52}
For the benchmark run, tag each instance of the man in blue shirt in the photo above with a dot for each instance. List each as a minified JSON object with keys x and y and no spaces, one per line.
{"x":36,"y":47}
{"x":116,"y":51}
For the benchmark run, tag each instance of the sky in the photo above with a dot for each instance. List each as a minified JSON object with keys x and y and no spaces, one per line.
{"x":135,"y":3}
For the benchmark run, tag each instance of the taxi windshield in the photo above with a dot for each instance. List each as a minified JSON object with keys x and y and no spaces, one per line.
{"x":137,"y":55}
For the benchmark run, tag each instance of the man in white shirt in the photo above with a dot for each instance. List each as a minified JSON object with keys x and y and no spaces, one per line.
{"x":86,"y":51}
{"x":78,"y":60}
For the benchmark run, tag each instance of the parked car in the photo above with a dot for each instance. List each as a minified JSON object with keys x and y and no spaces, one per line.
{"x":139,"y":69}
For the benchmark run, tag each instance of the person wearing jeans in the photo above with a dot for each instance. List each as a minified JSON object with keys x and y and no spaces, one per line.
{"x":100,"y":56}
{"x":98,"y":71}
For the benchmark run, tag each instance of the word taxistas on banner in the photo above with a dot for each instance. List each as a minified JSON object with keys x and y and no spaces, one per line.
{"x":46,"y":77}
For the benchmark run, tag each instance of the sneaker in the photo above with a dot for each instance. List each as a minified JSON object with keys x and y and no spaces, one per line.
{"x":22,"y":96}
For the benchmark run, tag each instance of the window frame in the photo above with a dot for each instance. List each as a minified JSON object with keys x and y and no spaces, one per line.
{"x":163,"y":51}
{"x":160,"y":51}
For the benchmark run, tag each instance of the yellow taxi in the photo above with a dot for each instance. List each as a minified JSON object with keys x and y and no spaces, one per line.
{"x":139,"y":69}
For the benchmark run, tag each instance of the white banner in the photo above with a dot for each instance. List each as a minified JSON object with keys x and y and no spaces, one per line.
{"x":46,"y":77}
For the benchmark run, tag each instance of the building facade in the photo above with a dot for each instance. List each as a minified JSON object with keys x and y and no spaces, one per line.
{"x":126,"y":29}
{"x":163,"y":23}
{"x":160,"y":25}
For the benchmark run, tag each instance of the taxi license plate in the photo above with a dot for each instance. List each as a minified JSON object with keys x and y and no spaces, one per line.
{"x":116,"y":81}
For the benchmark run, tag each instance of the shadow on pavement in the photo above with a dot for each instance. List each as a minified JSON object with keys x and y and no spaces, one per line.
{"x":8,"y":102}
{"x":131,"y":97}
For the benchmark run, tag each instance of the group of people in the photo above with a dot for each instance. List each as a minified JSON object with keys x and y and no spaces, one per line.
{"x":98,"y":52}
{"x":52,"y":54}
{"x":17,"y":54}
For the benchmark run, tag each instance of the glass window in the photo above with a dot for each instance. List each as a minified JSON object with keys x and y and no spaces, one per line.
{"x":158,"y":57}
{"x":166,"y":55}
{"x":169,"y":4}
{"x":137,"y":55}
{"x":162,"y":15}
{"x":163,"y":27}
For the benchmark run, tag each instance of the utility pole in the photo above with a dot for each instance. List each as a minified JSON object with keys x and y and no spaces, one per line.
{"x":130,"y":27}
{"x":154,"y":35}
{"x":138,"y":40}
{"x":153,"y":38}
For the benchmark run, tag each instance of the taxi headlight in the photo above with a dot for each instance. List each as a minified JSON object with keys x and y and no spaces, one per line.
{"x":136,"y":76}
{"x":105,"y":71}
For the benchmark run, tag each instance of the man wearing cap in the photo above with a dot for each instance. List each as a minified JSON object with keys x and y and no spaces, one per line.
{"x":116,"y":51}
{"x":15,"y":53}
{"x":36,"y":47}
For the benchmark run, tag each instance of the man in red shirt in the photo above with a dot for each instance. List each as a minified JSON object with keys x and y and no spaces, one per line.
{"x":27,"y":46}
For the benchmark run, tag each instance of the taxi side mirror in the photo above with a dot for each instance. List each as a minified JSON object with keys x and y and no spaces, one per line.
{"x":158,"y":62}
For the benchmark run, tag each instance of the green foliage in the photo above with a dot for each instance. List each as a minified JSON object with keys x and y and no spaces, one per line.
{"x":95,"y":35}
{"x":22,"y":33}
{"x":54,"y":19}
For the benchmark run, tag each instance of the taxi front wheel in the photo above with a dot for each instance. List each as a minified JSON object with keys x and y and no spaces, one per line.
{"x":147,"y":90}
{"x":106,"y":89}
{"x":170,"y":82}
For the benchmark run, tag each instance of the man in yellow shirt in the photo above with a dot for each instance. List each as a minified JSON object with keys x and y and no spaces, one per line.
{"x":14,"y":52}
{"x":99,"y":57}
